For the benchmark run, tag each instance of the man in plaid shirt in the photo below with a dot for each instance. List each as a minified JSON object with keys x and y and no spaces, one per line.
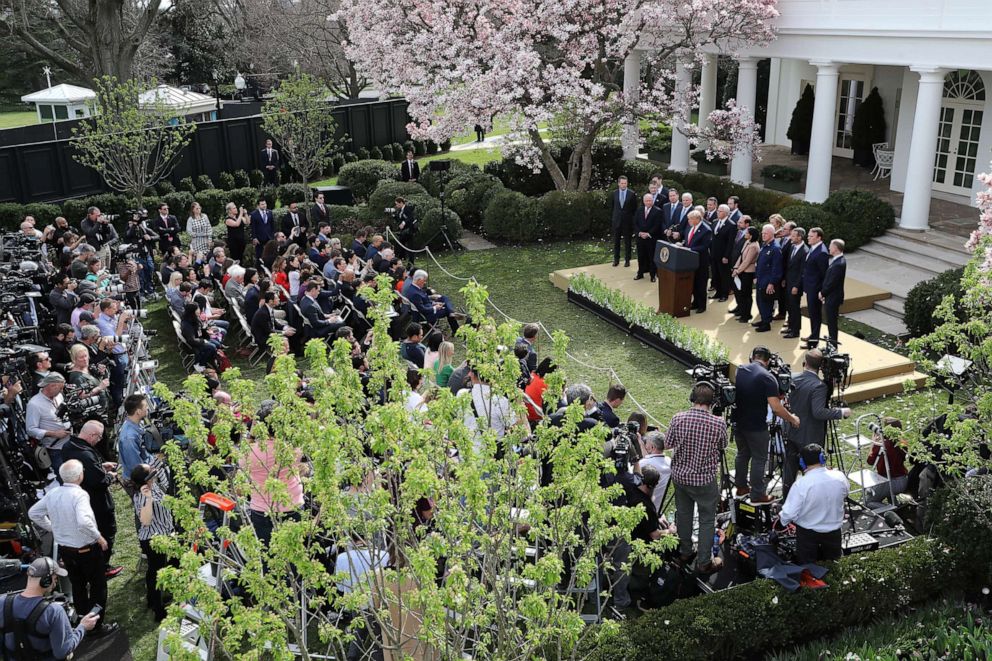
{"x":697,"y":437}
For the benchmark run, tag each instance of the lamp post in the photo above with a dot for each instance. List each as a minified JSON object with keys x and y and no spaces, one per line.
{"x":240,"y":84}
{"x":216,"y":88}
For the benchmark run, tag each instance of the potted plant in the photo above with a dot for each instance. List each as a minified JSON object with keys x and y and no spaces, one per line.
{"x":782,"y":178}
{"x":801,"y":126}
{"x":659,"y":144}
{"x":715,"y":165}
{"x":868,"y":129}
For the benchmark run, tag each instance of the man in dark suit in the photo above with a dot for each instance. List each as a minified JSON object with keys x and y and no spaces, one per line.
{"x":406,"y":226}
{"x":698,"y":239}
{"x":671,"y":215}
{"x":270,"y":164}
{"x":712,"y":208}
{"x":264,"y":322}
{"x":722,"y":250}
{"x":608,"y":409}
{"x":659,"y":190}
{"x":794,"y":282}
{"x":647,"y":225}
{"x":732,"y":203}
{"x":815,"y":268}
{"x":322,"y":324}
{"x":262,"y":230}
{"x":410,"y":170}
{"x":167,"y":228}
{"x":319,"y":212}
{"x":832,"y":293}
{"x":295,"y":226}
{"x":623,"y":203}
{"x":808,"y":401}
{"x":432,"y":307}
{"x":358,"y":245}
{"x":767,"y":277}
{"x":783,"y":237}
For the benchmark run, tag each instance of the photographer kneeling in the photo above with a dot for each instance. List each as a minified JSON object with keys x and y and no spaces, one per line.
{"x":816,"y":506}
{"x":31,"y":622}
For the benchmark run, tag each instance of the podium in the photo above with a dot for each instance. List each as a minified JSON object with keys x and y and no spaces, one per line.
{"x":676,"y":269}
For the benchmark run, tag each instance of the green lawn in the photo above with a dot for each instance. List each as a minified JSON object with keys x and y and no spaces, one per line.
{"x":10,"y":120}
{"x":517,"y":280}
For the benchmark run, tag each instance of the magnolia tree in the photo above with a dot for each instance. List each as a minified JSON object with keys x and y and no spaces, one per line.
{"x":132,"y":144}
{"x":726,"y":133}
{"x":462,"y":62}
{"x":497,"y":568}
{"x":299,"y":118}
{"x":964,"y":331}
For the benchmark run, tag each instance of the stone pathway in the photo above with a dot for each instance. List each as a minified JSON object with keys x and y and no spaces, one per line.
{"x":472,"y":241}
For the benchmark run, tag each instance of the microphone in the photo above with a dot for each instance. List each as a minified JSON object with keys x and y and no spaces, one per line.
{"x":16,"y":565}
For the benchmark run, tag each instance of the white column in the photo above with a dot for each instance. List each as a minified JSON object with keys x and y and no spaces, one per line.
{"x":707,"y":88}
{"x":919,"y":170}
{"x":680,"y":143}
{"x":747,"y":93}
{"x":821,"y":140}
{"x":631,"y":91}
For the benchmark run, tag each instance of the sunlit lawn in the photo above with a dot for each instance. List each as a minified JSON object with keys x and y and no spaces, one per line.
{"x":10,"y":120}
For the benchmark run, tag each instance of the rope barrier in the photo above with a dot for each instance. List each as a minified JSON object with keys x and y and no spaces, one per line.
{"x":611,"y":372}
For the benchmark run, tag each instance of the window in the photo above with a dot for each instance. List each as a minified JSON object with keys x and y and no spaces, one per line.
{"x":61,"y":112}
{"x":964,"y":85}
{"x":45,"y":112}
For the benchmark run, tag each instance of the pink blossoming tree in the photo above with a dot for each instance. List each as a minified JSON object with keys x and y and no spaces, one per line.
{"x":462,"y":62}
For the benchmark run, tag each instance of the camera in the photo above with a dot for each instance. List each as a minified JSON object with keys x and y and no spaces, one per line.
{"x":390,"y":211}
{"x":725,"y":391}
{"x":875,"y":428}
{"x":836,"y":367}
{"x":623,"y":443}
{"x":125,"y":250}
{"x":782,"y":372}
{"x":138,"y":214}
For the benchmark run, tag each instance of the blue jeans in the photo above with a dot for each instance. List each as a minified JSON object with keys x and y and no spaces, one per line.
{"x":145,"y":275}
{"x":56,"y":457}
{"x":118,"y":379}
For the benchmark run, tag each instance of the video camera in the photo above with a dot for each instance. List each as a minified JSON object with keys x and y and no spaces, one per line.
{"x":716,"y":375}
{"x":77,"y":408}
{"x":836,"y":367}
{"x":623,"y":445}
{"x":782,"y":372}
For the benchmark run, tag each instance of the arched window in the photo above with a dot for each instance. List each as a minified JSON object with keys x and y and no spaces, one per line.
{"x":964,"y":86}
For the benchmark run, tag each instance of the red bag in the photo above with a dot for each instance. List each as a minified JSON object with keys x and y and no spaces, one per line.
{"x":223,"y":362}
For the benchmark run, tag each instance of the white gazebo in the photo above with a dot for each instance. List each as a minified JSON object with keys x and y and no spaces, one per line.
{"x":195,"y":107}
{"x":60,"y":102}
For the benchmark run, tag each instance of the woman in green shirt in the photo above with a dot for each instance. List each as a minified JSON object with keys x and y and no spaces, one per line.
{"x":442,"y":366}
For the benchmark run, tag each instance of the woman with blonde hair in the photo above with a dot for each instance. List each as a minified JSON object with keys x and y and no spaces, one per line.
{"x":442,"y":366}
{"x":199,"y":229}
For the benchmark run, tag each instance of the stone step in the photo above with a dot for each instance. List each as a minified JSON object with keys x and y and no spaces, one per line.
{"x":890,"y":385}
{"x":884,"y":273}
{"x":879,"y":319}
{"x":909,"y":259}
{"x":931,"y":238}
{"x":894,"y":307}
{"x":925,"y":250}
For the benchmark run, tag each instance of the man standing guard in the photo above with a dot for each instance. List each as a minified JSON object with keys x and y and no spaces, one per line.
{"x":624,"y":205}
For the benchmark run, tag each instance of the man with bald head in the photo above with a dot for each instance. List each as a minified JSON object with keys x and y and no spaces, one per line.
{"x":98,"y":475}
{"x":648,"y":228}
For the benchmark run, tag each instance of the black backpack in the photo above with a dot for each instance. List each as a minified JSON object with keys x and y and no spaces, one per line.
{"x":22,"y":630}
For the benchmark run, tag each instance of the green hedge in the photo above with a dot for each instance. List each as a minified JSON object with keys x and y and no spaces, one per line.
{"x":363,"y":177}
{"x":291,"y":193}
{"x":241,"y":179}
{"x":431,"y":223}
{"x":203,"y":182}
{"x":759,"y":616}
{"x":212,"y":202}
{"x":385,"y":196}
{"x":225,"y":181}
{"x":469,"y":195}
{"x":961,"y":513}
{"x":861,"y":215}
{"x":514,"y":217}
{"x":924,"y":298}
{"x":567,"y":213}
{"x":12,"y":214}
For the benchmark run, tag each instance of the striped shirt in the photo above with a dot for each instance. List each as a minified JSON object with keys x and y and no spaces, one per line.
{"x":161,"y":517}
{"x":67,"y":513}
{"x":696,"y":437}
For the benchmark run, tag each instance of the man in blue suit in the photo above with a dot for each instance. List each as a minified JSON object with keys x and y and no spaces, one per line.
{"x":832,"y":293}
{"x":432,"y":307}
{"x":647,"y":227}
{"x":768,"y":277}
{"x":698,"y":239}
{"x":670,"y":215}
{"x":261,"y":226}
{"x":322,"y":324}
{"x":815,"y":268}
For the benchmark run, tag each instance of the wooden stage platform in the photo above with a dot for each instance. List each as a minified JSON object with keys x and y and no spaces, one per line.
{"x":875,"y":371}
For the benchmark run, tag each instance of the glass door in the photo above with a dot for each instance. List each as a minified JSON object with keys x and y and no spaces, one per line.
{"x":852,"y":92}
{"x":957,"y":149}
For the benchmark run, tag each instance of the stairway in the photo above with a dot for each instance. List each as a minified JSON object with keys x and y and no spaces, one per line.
{"x":896,"y":261}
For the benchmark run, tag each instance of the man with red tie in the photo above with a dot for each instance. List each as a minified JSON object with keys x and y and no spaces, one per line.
{"x":647,"y":227}
{"x":698,"y":239}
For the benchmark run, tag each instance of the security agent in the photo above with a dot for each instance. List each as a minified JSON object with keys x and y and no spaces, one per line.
{"x":31,"y":622}
{"x":757,"y":389}
{"x":808,"y":400}
{"x":816,"y":507}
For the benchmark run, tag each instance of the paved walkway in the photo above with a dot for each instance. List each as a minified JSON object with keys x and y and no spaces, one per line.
{"x":472,"y":241}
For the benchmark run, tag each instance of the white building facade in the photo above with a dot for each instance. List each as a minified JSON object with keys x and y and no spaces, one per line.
{"x":931,"y":61}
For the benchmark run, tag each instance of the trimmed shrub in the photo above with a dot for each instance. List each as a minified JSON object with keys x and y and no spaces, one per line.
{"x":385,"y":196}
{"x":807,"y":216}
{"x":446,"y":145}
{"x":165,"y":186}
{"x":203,"y":182}
{"x":179,"y":203}
{"x":376,"y":153}
{"x":397,"y":152}
{"x":432,"y":180}
{"x":638,"y":174}
{"x":419,"y":149}
{"x":722,"y":625}
{"x":186,"y":184}
{"x":431,"y":147}
{"x":363,"y":177}
{"x":468,"y":196}
{"x":12,"y":214}
{"x":363,"y":154}
{"x":924,"y":298}
{"x":521,"y":179}
{"x":225,"y":181}
{"x":431,"y":224}
{"x":512,"y":216}
{"x":246,"y":197}
{"x":350,"y":157}
{"x":256,"y":178}
{"x":241,"y":179}
{"x":213,"y":201}
{"x":291,"y":193}
{"x":569,"y":213}
{"x":344,"y":218}
{"x":337,"y":162}
{"x":960,"y":515}
{"x":867,"y":214}
{"x":781,"y":172}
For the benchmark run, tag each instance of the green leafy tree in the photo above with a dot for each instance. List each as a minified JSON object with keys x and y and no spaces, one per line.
{"x":299,"y":119}
{"x":464,"y":582}
{"x":133,"y":146}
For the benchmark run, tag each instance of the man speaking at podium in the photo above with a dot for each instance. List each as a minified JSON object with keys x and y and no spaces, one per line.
{"x":647,"y":225}
{"x":698,"y":239}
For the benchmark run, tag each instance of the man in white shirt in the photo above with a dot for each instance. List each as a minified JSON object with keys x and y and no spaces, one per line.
{"x":816,"y":506}
{"x":42,"y":419}
{"x":66,"y":512}
{"x":654,"y":447}
{"x":488,"y":410}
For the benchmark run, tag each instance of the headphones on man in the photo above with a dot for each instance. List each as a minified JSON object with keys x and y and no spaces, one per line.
{"x":47,"y":580}
{"x":821,"y":459}
{"x":694,"y":394}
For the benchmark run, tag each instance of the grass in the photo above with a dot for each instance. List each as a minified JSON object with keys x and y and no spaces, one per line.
{"x":517,"y":280}
{"x":11,"y":120}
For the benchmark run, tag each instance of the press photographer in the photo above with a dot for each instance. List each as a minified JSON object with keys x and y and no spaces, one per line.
{"x":45,"y":422}
{"x":816,"y":507}
{"x":140,"y":235}
{"x":99,"y":232}
{"x":758,"y":389}
{"x":809,"y":400}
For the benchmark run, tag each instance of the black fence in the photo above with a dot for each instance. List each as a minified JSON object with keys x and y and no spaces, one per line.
{"x":36,"y":163}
